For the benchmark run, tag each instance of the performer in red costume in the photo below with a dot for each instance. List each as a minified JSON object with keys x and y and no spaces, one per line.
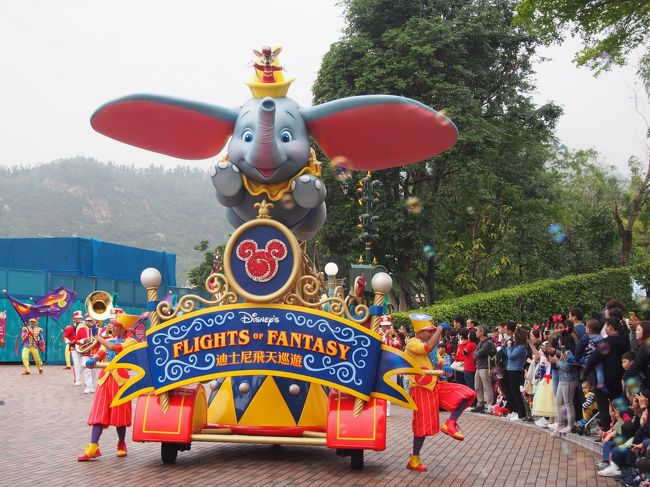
{"x":390,"y":338}
{"x":102,"y":415}
{"x":85,"y":331}
{"x":70,"y":339}
{"x":429,"y":394}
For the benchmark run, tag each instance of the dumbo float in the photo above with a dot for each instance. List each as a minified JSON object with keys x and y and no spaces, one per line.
{"x":269,"y":156}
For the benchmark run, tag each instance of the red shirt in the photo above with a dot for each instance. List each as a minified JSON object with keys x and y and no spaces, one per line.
{"x":465,"y":353}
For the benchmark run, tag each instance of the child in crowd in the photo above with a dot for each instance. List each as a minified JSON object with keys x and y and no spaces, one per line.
{"x":439,"y":358}
{"x":589,"y":407}
{"x":568,"y":376}
{"x":544,"y":398}
{"x":586,"y":347}
{"x":631,"y":380}
{"x":499,"y":408}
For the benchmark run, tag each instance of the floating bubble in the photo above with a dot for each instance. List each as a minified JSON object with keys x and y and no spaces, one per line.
{"x":564,"y":448}
{"x":641,"y":303}
{"x":604,"y":56}
{"x":633,"y":385}
{"x":428,"y":250}
{"x":414,"y":205}
{"x":470,"y":210}
{"x":442,"y":117}
{"x":287,"y":201}
{"x":556,"y":233}
{"x":340,"y":168}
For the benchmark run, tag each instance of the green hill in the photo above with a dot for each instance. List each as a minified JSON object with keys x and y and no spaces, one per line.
{"x":153,"y":208}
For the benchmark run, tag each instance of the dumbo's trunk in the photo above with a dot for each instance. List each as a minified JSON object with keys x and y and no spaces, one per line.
{"x":265,"y":153}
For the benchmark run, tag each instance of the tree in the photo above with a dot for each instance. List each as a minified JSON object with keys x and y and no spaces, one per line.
{"x":468,"y":59}
{"x":212,"y":262}
{"x":609,"y":29}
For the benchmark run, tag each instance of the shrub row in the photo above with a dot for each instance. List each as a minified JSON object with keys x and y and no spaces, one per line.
{"x":535,"y":302}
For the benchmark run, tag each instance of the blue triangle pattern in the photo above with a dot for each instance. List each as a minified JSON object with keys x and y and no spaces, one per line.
{"x":242,"y":400}
{"x":294,"y":403}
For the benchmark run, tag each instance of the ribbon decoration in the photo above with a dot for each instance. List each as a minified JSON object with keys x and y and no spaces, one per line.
{"x":279,"y":340}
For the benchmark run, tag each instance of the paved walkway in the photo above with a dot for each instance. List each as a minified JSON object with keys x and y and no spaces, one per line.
{"x":43,"y":428}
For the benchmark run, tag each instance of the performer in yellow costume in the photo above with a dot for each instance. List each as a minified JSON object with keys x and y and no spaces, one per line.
{"x":429,"y":394}
{"x":102,"y":415}
{"x":32,"y":339}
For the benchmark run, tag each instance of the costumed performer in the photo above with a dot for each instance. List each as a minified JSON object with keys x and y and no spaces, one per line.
{"x":85,"y":332}
{"x":102,"y":415}
{"x":429,"y":394}
{"x":390,"y":338}
{"x":32,"y":340}
{"x":70,"y":339}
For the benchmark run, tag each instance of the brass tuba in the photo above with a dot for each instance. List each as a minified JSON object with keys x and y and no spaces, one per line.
{"x":99,"y":305}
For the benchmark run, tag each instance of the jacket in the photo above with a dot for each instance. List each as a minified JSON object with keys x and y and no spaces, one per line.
{"x":484,"y":349}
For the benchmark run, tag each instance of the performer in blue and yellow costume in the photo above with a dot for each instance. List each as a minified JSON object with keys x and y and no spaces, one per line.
{"x":32,"y":340}
{"x":102,"y":415}
{"x":429,"y":393}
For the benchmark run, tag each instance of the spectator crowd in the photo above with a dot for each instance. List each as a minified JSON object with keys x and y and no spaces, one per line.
{"x":568,"y":375}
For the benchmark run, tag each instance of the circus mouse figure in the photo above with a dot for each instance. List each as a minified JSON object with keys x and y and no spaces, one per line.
{"x":269,"y":156}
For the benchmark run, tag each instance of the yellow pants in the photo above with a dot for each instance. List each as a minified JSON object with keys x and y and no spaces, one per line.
{"x":66,"y":353}
{"x":35,"y":354}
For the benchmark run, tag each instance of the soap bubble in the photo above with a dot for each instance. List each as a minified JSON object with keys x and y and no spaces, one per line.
{"x":428,"y":250}
{"x":414,"y":205}
{"x":340,"y":168}
{"x":470,"y":210}
{"x":287,"y":201}
{"x":556,"y":233}
{"x":641,"y":303}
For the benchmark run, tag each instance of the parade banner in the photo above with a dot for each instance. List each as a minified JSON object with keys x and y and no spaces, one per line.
{"x":52,"y":304}
{"x":278,"y":340}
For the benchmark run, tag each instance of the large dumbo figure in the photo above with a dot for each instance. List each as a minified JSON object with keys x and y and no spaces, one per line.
{"x":269,"y":155}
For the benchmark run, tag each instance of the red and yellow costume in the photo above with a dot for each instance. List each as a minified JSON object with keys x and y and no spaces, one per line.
{"x":102,"y":415}
{"x":430,"y":394}
{"x":32,"y":340}
{"x":107,"y":386}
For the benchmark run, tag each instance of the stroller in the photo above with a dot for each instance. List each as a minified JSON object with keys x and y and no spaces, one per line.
{"x":585,"y":429}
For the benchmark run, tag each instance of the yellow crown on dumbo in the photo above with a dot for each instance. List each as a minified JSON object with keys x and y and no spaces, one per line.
{"x":421,"y":322}
{"x":125,"y":320}
{"x":268,"y":80}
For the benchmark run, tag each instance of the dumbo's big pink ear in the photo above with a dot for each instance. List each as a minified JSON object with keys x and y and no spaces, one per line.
{"x":379,"y":131}
{"x":171,"y":126}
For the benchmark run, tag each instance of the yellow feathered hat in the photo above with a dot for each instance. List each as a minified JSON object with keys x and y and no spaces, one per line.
{"x":124,"y":320}
{"x":421,"y":321}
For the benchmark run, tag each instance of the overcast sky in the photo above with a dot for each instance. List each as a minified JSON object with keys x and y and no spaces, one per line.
{"x":63,"y":59}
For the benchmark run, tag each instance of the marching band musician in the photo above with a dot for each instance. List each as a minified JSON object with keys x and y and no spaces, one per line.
{"x":429,"y":394}
{"x":69,"y":337}
{"x":32,"y":340}
{"x":85,"y":333}
{"x":102,"y":415}
{"x":390,"y":338}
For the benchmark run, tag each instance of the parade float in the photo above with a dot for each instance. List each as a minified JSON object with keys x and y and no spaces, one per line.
{"x":269,"y":356}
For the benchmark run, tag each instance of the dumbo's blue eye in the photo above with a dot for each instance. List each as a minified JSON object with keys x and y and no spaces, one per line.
{"x":247,"y":135}
{"x":286,"y":135}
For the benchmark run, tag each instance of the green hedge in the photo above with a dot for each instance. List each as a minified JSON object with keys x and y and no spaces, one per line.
{"x":535,"y":302}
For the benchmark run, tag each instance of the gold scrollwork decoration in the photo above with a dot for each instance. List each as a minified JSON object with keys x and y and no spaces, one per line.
{"x":336,"y":304}
{"x":216,"y":284}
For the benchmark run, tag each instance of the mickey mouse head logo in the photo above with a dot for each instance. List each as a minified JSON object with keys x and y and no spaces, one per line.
{"x":261,"y":264}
